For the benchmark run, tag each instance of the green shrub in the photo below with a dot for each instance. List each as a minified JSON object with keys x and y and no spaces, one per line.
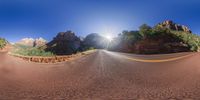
{"x":30,"y":51}
{"x":3,"y":43}
{"x":192,"y":40}
{"x":145,"y":30}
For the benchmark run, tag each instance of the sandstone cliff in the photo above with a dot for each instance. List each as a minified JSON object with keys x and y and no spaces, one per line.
{"x":32,"y":42}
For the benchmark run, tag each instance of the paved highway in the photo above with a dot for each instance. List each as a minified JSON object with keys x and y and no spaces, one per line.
{"x":103,"y":75}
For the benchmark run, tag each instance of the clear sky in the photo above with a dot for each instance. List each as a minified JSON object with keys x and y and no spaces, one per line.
{"x":45,"y":18}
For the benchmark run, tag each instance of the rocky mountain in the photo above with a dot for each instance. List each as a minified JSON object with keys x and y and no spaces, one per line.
{"x":64,"y":43}
{"x":32,"y":42}
{"x":173,"y":26}
{"x":95,"y":40}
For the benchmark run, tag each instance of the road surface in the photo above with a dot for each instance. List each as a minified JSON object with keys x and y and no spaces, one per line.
{"x":103,"y":75}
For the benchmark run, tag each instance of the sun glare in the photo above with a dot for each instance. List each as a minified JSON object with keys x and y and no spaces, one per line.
{"x":109,"y":37}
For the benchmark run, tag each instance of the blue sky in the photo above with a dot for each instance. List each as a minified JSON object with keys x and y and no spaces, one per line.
{"x":45,"y":18}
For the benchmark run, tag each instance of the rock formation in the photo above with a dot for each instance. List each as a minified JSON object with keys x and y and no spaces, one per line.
{"x":173,"y":26}
{"x":32,"y":42}
{"x":39,"y":42}
{"x":64,"y":43}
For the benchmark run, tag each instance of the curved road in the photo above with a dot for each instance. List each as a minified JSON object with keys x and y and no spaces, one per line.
{"x":102,"y":75}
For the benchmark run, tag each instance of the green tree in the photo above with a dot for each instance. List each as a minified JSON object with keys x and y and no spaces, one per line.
{"x":145,"y":30}
{"x":3,"y":43}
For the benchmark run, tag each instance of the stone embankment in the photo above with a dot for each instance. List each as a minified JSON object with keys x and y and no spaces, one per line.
{"x":52,"y":59}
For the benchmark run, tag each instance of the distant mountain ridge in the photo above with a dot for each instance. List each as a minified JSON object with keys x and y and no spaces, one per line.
{"x":32,"y":42}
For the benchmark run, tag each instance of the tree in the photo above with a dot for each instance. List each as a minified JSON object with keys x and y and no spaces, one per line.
{"x":145,"y":30}
{"x":3,"y":43}
{"x":131,"y":36}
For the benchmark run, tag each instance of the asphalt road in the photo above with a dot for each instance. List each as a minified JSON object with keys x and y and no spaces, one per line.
{"x":103,"y":75}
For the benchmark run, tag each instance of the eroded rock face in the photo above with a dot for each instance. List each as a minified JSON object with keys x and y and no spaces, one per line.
{"x":173,"y":26}
{"x":39,"y":42}
{"x":26,"y":41}
{"x":64,"y":43}
{"x":32,"y":42}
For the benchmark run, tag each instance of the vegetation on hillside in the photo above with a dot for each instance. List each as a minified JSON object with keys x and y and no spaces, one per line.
{"x":192,"y":40}
{"x":30,"y":51}
{"x":151,"y":40}
{"x":3,"y":43}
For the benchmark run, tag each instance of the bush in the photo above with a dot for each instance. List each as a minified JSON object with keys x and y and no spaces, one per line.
{"x":192,"y":40}
{"x":130,"y":36}
{"x":3,"y":43}
{"x":30,"y":51}
{"x":145,"y":30}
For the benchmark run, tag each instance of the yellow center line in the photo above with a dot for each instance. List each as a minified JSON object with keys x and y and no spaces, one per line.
{"x":157,"y":60}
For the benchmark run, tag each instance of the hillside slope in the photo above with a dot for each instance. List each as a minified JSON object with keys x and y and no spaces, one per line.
{"x":165,"y":37}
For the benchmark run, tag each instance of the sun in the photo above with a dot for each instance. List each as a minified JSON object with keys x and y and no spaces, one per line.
{"x":110,"y":38}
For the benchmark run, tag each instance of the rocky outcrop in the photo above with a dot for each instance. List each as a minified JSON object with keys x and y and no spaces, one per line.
{"x":32,"y":42}
{"x":64,"y":43}
{"x":173,"y":26}
{"x":26,"y":41}
{"x":39,"y":42}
